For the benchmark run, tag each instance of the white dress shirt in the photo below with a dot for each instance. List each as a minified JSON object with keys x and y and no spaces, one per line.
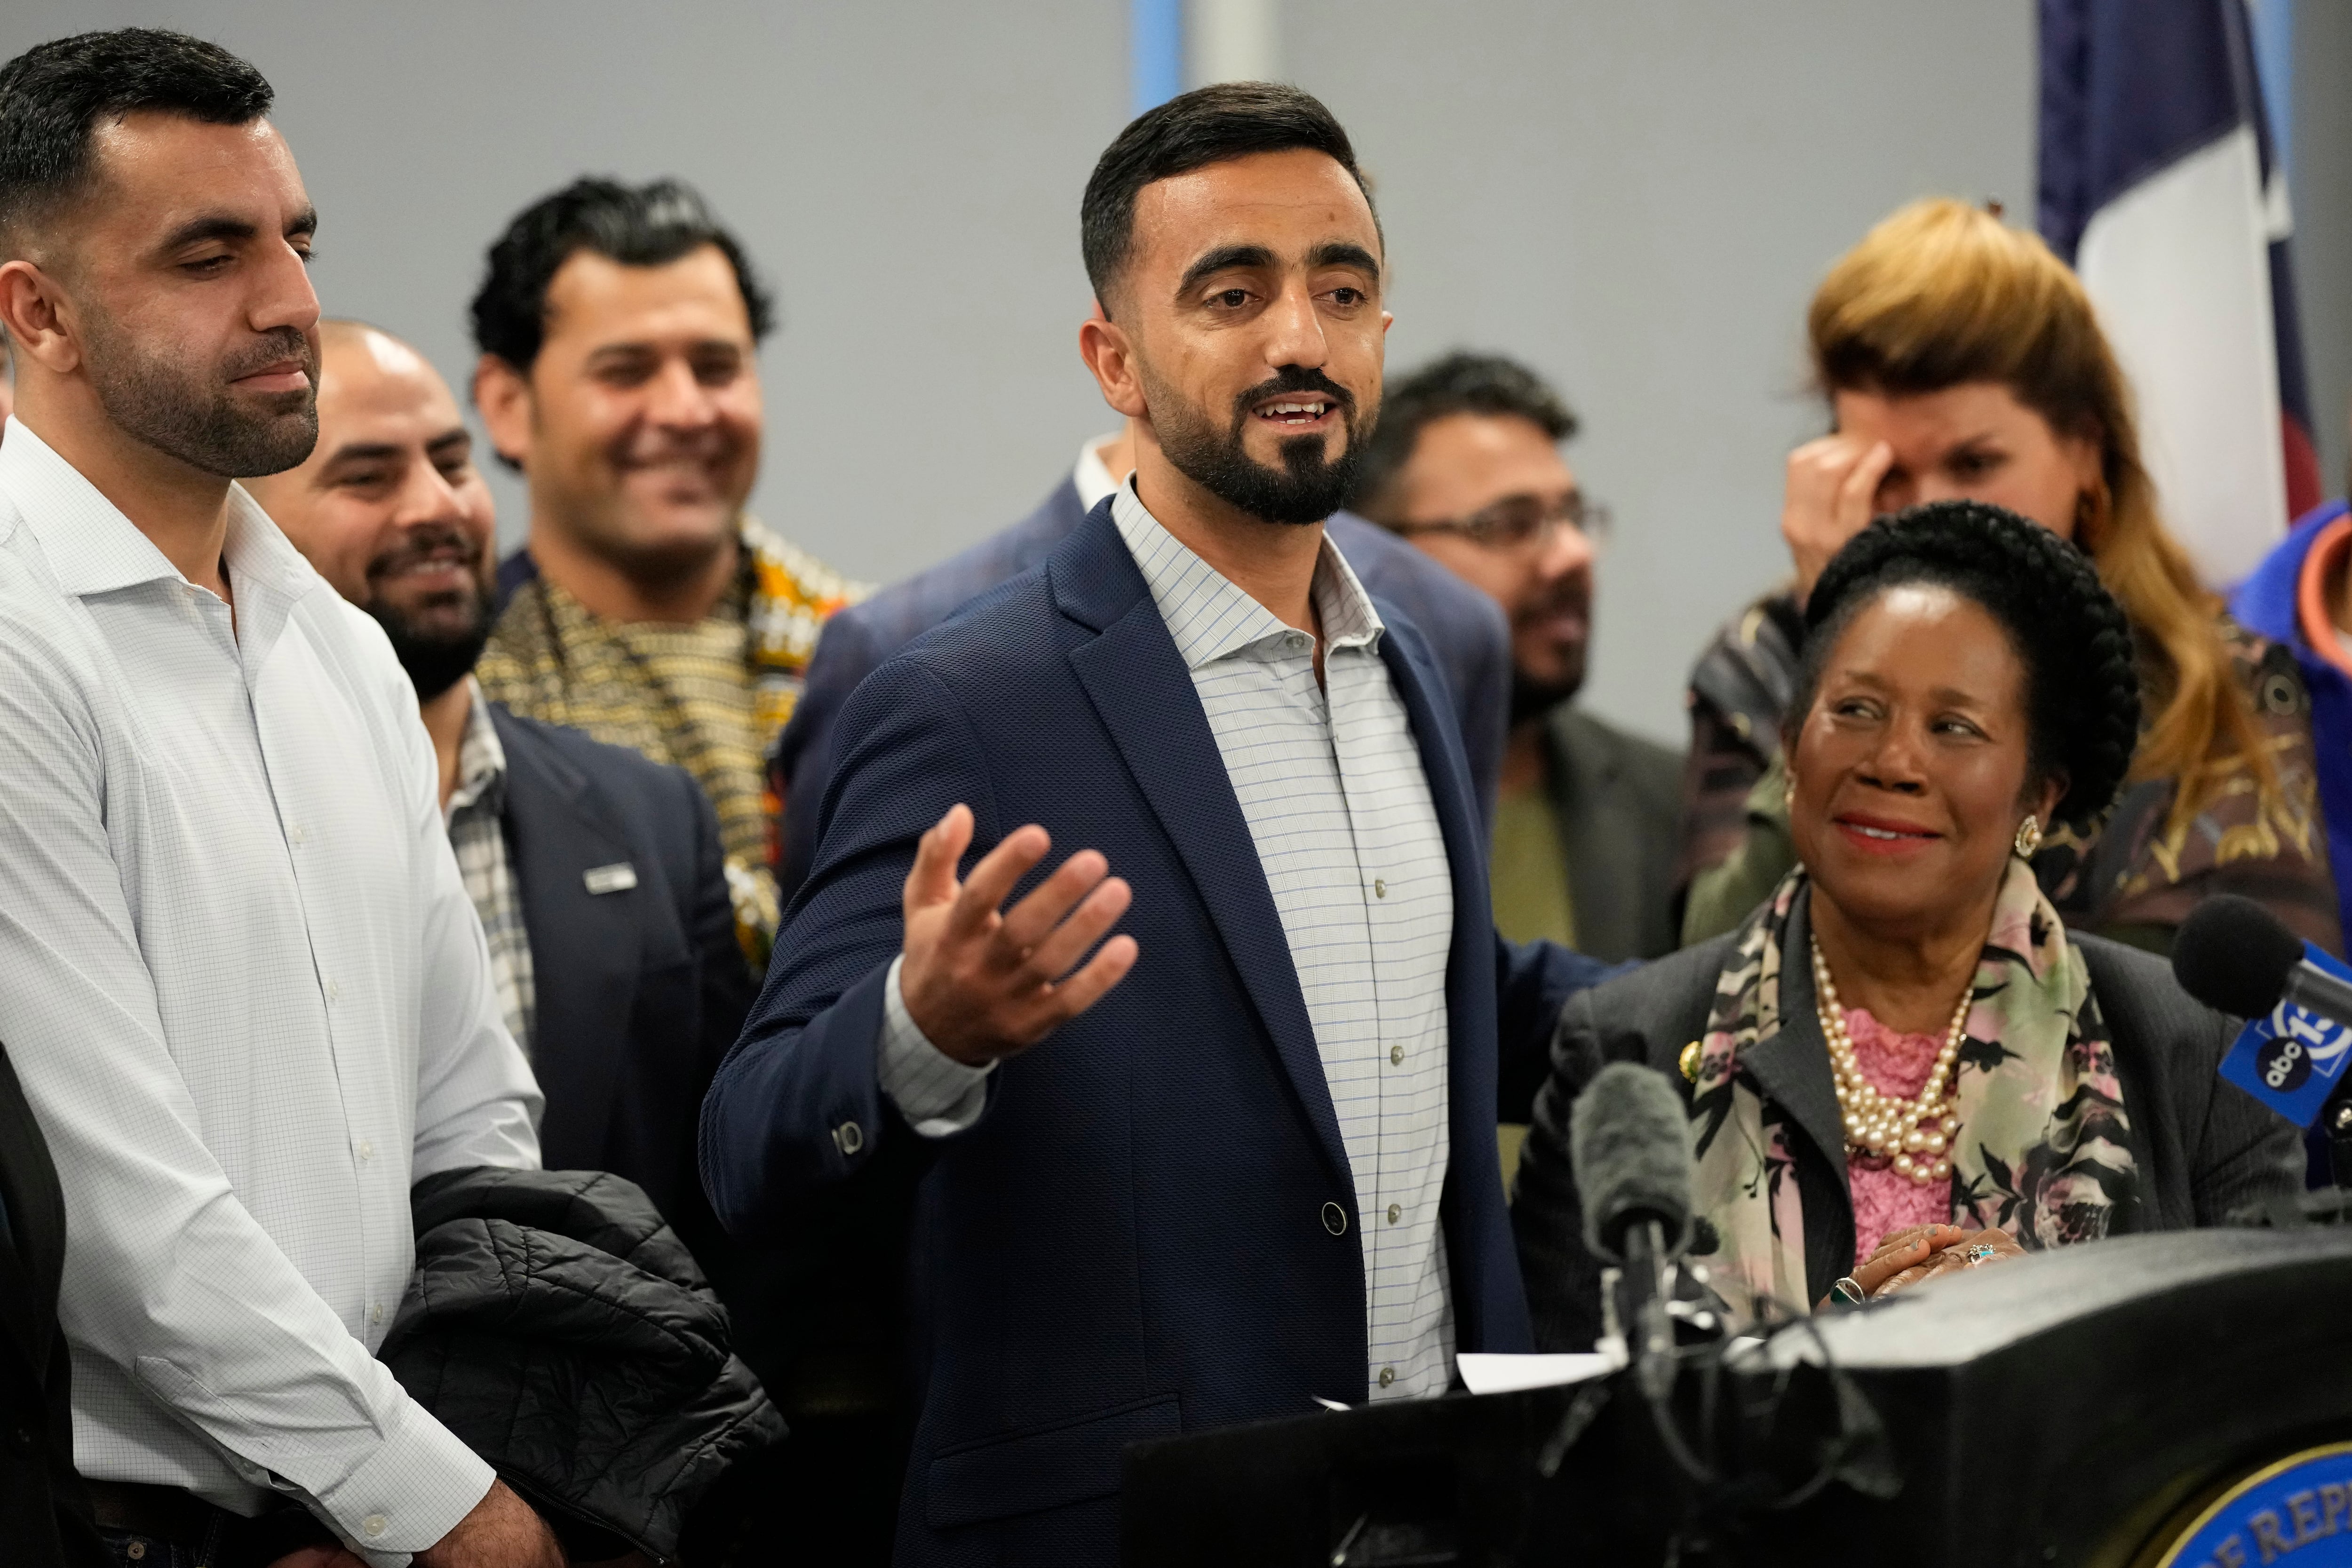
{"x":249,"y":1002}
{"x":1331,"y":784}
{"x":1091,"y":477}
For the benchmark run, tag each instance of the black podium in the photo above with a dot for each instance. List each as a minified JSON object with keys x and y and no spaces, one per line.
{"x":2094,"y":1406}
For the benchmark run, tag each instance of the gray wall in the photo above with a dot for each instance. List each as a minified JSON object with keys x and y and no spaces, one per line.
{"x":1636,"y":198}
{"x":1639,"y":200}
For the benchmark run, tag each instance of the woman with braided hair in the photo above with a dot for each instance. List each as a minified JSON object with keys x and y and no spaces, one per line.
{"x":1902,"y":1062}
{"x":1960,"y":358}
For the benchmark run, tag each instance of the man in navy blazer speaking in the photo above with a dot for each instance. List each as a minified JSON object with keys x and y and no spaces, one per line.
{"x":1213,"y":1137}
{"x":1465,"y":630}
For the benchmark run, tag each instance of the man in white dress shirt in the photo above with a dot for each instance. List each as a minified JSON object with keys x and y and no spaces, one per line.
{"x":239,"y":976}
{"x":1236,"y":1154}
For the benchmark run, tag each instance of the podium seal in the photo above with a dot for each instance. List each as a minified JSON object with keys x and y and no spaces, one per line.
{"x":2298,"y":1508}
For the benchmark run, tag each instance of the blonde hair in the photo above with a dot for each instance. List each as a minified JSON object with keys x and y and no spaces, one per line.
{"x":1939,"y":294}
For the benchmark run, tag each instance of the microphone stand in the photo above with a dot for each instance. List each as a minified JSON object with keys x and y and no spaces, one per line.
{"x":1649,"y":1285}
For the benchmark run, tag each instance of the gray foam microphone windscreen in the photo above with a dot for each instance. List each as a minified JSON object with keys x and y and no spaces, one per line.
{"x":1628,"y":1138}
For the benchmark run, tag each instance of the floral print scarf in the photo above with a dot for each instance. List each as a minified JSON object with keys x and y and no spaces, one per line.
{"x":2042,"y":1151}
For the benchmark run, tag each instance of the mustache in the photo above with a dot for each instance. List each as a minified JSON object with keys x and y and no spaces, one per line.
{"x":1294,"y":378}
{"x":423,"y":539}
{"x":275,"y":346}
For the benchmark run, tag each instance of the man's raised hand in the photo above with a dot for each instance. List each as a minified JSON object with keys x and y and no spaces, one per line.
{"x":983,"y":983}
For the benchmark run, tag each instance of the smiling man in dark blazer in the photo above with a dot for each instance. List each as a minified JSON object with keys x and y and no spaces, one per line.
{"x":1249,"y":1162}
{"x":596,"y":873}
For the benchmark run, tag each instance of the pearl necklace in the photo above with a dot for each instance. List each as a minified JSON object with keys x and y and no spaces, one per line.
{"x":1917,"y":1132}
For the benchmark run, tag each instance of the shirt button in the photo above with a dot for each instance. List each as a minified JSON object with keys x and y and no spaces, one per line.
{"x":1294,"y":642}
{"x":849,"y":1138}
{"x":373,"y":1525}
{"x":1380,"y":888}
{"x":367,"y":1149}
{"x":298,"y":833}
{"x":1396,"y":1213}
{"x":335,"y":991}
{"x":1396,"y":1055}
{"x":1388,"y":1376}
{"x":1335,"y":1219}
{"x":375,"y":1313}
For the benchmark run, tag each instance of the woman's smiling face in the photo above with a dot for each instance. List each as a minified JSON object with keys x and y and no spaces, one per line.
{"x":1913,"y":766}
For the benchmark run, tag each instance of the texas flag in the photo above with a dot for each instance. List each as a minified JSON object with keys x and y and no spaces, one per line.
{"x":2158,"y":183}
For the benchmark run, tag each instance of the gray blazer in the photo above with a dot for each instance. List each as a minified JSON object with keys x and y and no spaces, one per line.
{"x":1618,"y":801}
{"x":2203,"y":1148}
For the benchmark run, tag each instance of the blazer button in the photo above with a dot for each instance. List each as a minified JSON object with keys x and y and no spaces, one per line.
{"x":849,"y":1138}
{"x":1335,"y":1219}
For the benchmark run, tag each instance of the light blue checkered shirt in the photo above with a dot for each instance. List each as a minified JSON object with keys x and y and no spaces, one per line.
{"x":1331,"y":783}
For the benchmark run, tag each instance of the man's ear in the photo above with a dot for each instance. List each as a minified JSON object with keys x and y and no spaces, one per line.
{"x":40,"y":318}
{"x":1109,"y":353}
{"x":502,"y":394}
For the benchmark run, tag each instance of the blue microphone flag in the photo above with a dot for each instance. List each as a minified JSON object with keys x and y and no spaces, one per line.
{"x":2293,"y":1058}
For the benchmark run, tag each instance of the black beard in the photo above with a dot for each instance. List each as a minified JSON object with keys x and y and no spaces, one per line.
{"x":1533,"y":699}
{"x":1306,"y":488}
{"x":435,"y":660}
{"x":192,"y":417}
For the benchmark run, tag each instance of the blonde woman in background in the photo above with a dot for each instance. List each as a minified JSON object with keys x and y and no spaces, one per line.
{"x":1961,"y":359}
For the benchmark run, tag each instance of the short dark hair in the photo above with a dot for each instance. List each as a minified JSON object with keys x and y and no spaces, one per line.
{"x":1460,"y":383}
{"x":636,"y":225}
{"x":54,"y":95}
{"x":2082,"y":695}
{"x":1207,"y":125}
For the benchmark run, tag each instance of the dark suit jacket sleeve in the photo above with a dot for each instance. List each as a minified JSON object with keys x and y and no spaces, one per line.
{"x":2205,"y":1147}
{"x":775,"y":1127}
{"x":1533,"y":981}
{"x":2247,"y":1154}
{"x":845,"y":656}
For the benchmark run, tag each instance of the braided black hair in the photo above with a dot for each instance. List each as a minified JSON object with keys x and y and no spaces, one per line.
{"x":2082,"y":680}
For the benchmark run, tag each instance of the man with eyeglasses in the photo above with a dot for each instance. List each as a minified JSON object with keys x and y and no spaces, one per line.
{"x":1466,"y":463}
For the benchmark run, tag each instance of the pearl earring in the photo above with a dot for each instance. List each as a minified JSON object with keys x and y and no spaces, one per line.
{"x":2029,"y":838}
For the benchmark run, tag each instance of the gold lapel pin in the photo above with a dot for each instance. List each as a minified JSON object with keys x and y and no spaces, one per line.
{"x":1689,"y":1061}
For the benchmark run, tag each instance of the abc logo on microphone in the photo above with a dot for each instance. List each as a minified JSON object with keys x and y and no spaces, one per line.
{"x":2291,"y":1061}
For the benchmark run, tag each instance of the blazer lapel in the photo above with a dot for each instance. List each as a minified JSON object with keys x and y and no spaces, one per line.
{"x":583,"y":944}
{"x":1414,"y":673}
{"x":1145,"y":697}
{"x":1792,"y":1067}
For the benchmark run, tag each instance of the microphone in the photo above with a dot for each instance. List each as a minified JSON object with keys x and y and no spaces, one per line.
{"x":2235,"y":956}
{"x":1629,"y":1142}
{"x":1628,"y":1138}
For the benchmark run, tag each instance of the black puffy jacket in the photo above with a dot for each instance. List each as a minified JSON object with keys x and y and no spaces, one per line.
{"x":559,"y":1329}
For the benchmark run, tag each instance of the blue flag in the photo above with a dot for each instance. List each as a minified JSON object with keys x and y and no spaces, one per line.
{"x":2158,"y":183}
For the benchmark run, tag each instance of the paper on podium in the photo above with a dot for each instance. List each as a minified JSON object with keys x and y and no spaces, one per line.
{"x":1484,"y":1374}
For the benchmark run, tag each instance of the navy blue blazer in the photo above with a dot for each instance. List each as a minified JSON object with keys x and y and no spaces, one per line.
{"x":640,"y":990}
{"x":1465,"y":629}
{"x":1131,"y":1241}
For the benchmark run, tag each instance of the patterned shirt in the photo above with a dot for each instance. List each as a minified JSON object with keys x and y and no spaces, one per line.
{"x":1331,"y":783}
{"x":477,"y":817}
{"x":248,"y":1003}
{"x":710,"y":698}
